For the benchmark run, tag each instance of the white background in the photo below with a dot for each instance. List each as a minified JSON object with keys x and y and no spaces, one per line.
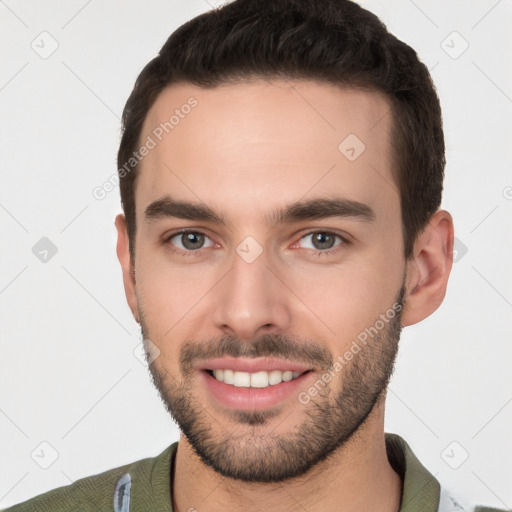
{"x":68,"y":374}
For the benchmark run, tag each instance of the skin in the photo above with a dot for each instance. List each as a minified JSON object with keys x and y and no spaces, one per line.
{"x":245,"y":150}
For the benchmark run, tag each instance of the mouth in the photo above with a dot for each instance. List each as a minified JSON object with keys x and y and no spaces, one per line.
{"x":260,"y":380}
{"x":253,"y":384}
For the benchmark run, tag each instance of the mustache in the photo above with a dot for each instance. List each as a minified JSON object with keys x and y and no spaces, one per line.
{"x":278,"y":346}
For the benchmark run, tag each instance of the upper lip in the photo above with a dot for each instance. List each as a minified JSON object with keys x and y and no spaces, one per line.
{"x":253,"y":365}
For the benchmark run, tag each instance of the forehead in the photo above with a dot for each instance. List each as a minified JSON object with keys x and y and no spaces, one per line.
{"x":266,"y":143}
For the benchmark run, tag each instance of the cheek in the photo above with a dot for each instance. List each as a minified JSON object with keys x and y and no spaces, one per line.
{"x":346,"y":300}
{"x":169,"y":295}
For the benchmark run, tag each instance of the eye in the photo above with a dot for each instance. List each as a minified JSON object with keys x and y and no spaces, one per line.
{"x":190,"y":240}
{"x":320,"y":241}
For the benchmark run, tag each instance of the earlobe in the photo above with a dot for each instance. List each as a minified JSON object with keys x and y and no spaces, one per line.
{"x":429,"y":268}
{"x":127,"y":265}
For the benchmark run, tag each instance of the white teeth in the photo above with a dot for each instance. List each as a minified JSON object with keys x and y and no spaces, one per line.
{"x":287,"y":376}
{"x":242,"y":380}
{"x":261,"y":379}
{"x":275,"y":377}
{"x":229,"y":376}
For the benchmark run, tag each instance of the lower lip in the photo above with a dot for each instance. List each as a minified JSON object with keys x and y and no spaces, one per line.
{"x":253,"y":399}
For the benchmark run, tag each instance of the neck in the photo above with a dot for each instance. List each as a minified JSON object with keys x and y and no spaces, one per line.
{"x":357,"y":475}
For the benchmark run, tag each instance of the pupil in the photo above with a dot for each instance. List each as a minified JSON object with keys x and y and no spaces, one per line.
{"x":193,"y":240}
{"x":323,"y":240}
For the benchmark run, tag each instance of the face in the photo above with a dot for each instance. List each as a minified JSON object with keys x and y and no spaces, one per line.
{"x":269,"y":268}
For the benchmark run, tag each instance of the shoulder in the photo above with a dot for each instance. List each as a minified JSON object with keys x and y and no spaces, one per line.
{"x":90,"y":493}
{"x":421,"y":490}
{"x":98,"y":492}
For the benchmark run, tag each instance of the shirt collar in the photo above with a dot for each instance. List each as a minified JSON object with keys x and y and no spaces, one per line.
{"x":420,"y":490}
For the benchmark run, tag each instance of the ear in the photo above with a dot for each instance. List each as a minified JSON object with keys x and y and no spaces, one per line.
{"x":127,"y":265}
{"x":428,"y":269}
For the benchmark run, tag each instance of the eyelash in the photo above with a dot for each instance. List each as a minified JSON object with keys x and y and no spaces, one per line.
{"x":317,"y":252}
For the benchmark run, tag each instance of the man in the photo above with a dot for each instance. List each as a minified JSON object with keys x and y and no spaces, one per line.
{"x":281,"y":171}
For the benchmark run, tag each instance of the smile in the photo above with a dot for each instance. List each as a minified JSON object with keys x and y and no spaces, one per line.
{"x":261,"y":379}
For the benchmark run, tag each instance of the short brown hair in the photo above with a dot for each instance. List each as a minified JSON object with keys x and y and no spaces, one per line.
{"x":332,"y":41}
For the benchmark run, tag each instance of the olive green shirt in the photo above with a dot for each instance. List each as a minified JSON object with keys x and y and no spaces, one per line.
{"x":145,"y":486}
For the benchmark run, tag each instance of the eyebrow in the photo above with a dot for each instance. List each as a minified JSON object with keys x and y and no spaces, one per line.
{"x":168,"y":207}
{"x":313,"y":209}
{"x":316,"y":209}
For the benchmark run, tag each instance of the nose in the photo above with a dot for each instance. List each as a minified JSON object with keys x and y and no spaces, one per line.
{"x":251,"y":301}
